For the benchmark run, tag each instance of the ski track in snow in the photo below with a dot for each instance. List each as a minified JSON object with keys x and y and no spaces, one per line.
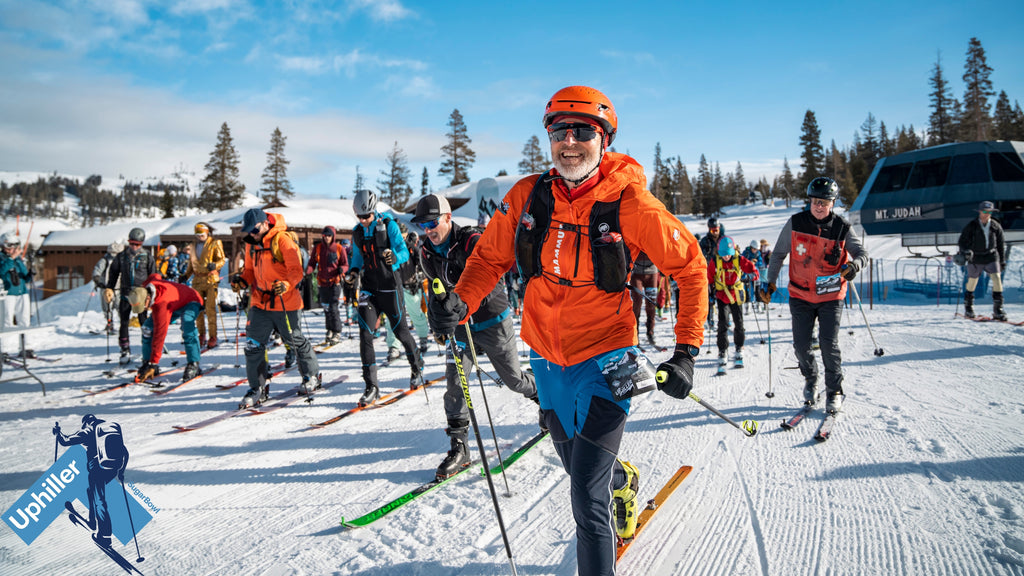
{"x":923,"y":475}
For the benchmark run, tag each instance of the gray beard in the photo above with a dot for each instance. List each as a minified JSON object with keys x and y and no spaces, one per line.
{"x":577,"y":172}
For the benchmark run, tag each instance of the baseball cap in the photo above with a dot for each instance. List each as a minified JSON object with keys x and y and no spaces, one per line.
{"x":986,"y":206}
{"x":431,"y":207}
{"x":251,"y":219}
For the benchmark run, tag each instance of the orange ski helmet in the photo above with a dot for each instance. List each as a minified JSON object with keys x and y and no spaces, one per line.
{"x":583,"y":101}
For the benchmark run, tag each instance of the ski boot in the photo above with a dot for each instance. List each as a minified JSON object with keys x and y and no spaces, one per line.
{"x":191,"y":371}
{"x":650,"y":340}
{"x":289,"y":358}
{"x":721,"y":358}
{"x":997,"y":307}
{"x":457,"y":459}
{"x":311,"y":384}
{"x":833,"y":401}
{"x":737,"y":359}
{"x":811,"y":391}
{"x":333,"y":338}
{"x":969,"y":305}
{"x":255,"y":396}
{"x":624,"y":502}
{"x":424,"y":345}
{"x":393,"y":354}
{"x":126,"y":356}
{"x":212,"y":343}
{"x":372,"y":393}
{"x":202,"y":341}
{"x":416,"y":379}
{"x":815,"y":345}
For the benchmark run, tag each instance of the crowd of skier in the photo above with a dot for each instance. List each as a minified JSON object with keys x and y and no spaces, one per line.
{"x":558,"y":254}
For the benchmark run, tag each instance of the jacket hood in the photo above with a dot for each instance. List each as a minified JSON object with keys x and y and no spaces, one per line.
{"x":279,"y":226}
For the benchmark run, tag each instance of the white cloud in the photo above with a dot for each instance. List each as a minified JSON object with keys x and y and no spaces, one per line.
{"x":383,"y":10}
{"x":106,"y":126}
{"x":204,"y":6}
{"x":349,"y":63}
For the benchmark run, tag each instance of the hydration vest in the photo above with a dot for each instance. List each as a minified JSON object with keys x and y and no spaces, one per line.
{"x":609,"y":253}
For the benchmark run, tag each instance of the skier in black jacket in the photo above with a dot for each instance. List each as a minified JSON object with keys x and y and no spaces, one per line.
{"x":133,"y":267}
{"x":443,"y":255}
{"x":983,"y":249}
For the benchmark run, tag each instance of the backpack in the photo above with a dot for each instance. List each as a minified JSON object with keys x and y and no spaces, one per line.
{"x":275,"y":248}
{"x":110,"y":451}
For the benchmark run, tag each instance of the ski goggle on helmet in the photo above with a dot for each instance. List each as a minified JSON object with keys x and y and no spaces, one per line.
{"x":726,"y":248}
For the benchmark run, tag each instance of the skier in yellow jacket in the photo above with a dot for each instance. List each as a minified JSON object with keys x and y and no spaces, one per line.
{"x":204,"y":268}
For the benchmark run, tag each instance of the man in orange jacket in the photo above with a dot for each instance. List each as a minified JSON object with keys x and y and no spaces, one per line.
{"x":572,"y":233}
{"x":273,"y":269}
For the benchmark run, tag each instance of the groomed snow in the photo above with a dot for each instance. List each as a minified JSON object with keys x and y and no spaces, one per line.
{"x":923,"y":476}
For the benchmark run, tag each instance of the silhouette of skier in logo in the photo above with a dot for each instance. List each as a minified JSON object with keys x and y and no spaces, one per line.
{"x":107,"y":458}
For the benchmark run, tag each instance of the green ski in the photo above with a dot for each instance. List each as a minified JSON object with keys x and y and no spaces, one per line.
{"x":404,"y":499}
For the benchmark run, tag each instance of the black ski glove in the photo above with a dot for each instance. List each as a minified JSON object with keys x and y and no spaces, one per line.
{"x":969,"y":255}
{"x":675,"y":377}
{"x":446,"y":312}
{"x":352,"y":275}
{"x":388,"y":257}
{"x":211,"y":267}
{"x":849,"y":270}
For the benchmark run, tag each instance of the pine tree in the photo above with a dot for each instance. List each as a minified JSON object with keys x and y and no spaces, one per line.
{"x":940,"y":123}
{"x":742,"y":194}
{"x":682,"y":189}
{"x":718,"y":198}
{"x":394,"y":186}
{"x":425,"y":182}
{"x":360,"y":181}
{"x":976,"y":123}
{"x":535,"y":160}
{"x":167,"y":203}
{"x":220,"y":188}
{"x":869,"y":149}
{"x":787,"y":184}
{"x":885,"y":144}
{"x":813,"y":155}
{"x":457,"y":156}
{"x":275,"y":175}
{"x":501,"y":172}
{"x":661,"y":184}
{"x":1004,"y":120}
{"x":702,"y":188}
{"x":1018,"y":122}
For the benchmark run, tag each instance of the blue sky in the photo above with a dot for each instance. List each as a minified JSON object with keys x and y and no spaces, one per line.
{"x":141,"y":87}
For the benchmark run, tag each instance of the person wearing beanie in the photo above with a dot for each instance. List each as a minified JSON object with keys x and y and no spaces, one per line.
{"x":131,"y":268}
{"x":330,"y":261}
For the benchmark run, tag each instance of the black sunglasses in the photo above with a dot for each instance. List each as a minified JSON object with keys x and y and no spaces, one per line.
{"x":364,"y":216}
{"x":581,"y":132}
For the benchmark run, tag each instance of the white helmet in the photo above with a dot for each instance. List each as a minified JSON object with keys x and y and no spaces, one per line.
{"x":171,"y":251}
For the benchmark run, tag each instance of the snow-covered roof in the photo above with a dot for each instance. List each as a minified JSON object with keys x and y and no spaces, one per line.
{"x":298,"y":213}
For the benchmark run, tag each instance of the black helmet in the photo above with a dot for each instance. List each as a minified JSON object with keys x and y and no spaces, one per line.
{"x":823,"y":187}
{"x":365,"y":202}
{"x":137,"y":235}
{"x":712,"y":222}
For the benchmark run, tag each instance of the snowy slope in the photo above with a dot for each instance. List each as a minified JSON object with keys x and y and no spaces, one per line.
{"x":923,"y":475}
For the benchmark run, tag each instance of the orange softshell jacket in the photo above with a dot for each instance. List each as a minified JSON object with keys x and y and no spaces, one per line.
{"x":261,"y":270}
{"x":567,"y":324}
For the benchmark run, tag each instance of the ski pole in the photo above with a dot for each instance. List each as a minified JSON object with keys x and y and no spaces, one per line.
{"x":487,"y":408}
{"x":439,"y":291}
{"x":768,"y":319}
{"x":238,"y":318}
{"x":131,"y":522}
{"x":106,"y":329}
{"x":758,"y":323}
{"x":87,"y":303}
{"x":748,"y":427}
{"x":878,"y":351}
{"x":56,"y":442}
